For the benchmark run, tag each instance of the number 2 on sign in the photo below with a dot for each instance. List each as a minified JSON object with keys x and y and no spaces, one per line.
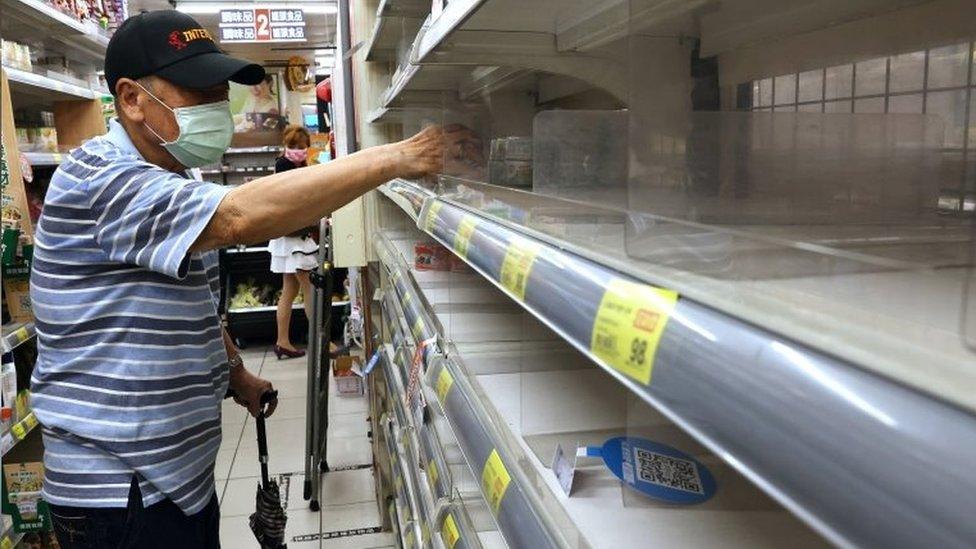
{"x":628,"y":327}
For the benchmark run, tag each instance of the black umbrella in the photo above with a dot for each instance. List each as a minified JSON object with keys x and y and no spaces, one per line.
{"x":268,"y":519}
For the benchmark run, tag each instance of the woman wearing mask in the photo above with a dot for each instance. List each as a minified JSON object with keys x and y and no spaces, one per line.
{"x":295,"y":255}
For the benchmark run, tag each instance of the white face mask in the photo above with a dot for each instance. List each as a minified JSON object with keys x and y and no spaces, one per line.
{"x":205,"y":132}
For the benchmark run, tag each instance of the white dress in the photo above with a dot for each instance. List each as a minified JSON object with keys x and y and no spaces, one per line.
{"x":291,"y":253}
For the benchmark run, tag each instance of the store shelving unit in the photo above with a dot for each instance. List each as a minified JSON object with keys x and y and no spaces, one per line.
{"x":18,"y":432}
{"x":394,"y":19}
{"x":44,"y":159}
{"x":16,"y":333}
{"x":47,"y":87}
{"x":75,"y":103}
{"x":815,"y":364}
{"x":463,"y":385}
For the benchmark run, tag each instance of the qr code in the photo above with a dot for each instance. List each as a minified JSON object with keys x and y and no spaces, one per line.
{"x":668,"y":471}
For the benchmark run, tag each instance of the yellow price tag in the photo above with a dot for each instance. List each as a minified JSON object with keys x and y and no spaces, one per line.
{"x":30,"y":421}
{"x":495,"y":480}
{"x":519,"y":258}
{"x":407,"y":299}
{"x":444,"y":383}
{"x":432,"y":475}
{"x":418,"y":328}
{"x":463,"y":237}
{"x":21,"y":335}
{"x":450,"y":533}
{"x":6,"y":543}
{"x":628,"y":327}
{"x":19,"y":431}
{"x":431,"y":218}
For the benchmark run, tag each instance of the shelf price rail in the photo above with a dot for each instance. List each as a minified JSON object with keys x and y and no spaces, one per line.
{"x":504,"y":487}
{"x":833,"y":436}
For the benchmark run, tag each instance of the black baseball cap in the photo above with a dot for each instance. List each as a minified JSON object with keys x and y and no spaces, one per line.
{"x":172,"y":45}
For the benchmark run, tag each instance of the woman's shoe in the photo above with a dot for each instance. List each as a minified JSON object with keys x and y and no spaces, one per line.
{"x":280,"y":352}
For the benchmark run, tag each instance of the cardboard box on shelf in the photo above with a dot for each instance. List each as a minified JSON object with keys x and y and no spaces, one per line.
{"x":348,"y":382}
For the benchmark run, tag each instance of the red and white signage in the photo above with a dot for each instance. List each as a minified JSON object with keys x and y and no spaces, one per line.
{"x":262,"y":25}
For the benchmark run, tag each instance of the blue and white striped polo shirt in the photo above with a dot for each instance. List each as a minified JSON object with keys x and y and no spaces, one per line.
{"x":131,"y":366}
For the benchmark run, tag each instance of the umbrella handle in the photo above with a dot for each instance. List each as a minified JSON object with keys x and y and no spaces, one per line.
{"x":266,"y":398}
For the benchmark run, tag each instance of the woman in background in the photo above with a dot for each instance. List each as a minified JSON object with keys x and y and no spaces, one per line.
{"x":295,"y":255}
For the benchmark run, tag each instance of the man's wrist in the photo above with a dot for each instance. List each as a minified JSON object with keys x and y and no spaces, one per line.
{"x":397,"y":160}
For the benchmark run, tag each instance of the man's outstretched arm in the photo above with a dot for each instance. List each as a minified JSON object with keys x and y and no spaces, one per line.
{"x":279,"y":204}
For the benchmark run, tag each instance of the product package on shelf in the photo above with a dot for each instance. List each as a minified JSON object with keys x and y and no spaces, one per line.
{"x":16,"y":285}
{"x":22,"y":496}
{"x":16,"y":55}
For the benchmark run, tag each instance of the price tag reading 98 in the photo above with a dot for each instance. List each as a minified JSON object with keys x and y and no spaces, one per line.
{"x":628,"y":327}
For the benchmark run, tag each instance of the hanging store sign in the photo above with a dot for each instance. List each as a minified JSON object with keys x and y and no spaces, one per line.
{"x":262,"y":25}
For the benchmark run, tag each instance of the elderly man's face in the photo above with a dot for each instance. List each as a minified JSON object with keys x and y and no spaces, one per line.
{"x":138,"y":106}
{"x":160,"y":118}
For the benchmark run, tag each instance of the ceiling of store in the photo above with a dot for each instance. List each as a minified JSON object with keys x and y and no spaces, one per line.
{"x":320,"y":31}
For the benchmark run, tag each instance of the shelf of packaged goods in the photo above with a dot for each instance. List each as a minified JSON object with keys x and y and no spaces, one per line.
{"x":44,"y":158}
{"x":16,"y":333}
{"x":272,"y":308}
{"x":719,"y":377}
{"x":18,"y":432}
{"x":254,"y":150}
{"x":46,"y":21}
{"x":45,"y":87}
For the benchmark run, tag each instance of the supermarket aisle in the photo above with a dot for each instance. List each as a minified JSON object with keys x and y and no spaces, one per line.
{"x":348,"y":497}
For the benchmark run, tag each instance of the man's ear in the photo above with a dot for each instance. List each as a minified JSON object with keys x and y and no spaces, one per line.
{"x":127,"y":96}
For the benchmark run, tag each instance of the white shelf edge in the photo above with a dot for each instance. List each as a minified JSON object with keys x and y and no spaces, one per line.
{"x":44,"y":158}
{"x":70,"y":91}
{"x":17,"y":333}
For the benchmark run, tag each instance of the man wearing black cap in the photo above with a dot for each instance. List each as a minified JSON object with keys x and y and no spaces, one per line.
{"x":133,"y":363}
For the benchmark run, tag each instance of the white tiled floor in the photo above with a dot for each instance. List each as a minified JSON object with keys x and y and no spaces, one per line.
{"x":348,"y":499}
